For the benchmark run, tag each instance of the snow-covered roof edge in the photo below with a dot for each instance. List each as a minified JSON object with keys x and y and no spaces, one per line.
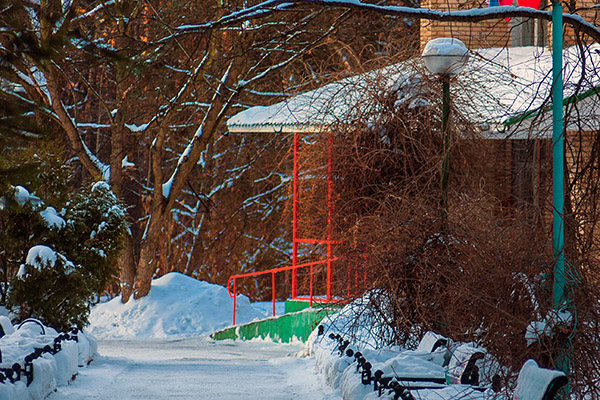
{"x":307,"y":112}
{"x":274,"y":128}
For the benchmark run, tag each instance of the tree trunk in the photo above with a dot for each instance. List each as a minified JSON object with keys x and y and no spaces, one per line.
{"x":127,"y":263}
{"x":147,"y":262}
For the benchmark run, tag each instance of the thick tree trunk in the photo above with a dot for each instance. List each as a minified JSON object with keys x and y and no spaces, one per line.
{"x":147,"y":263}
{"x":145,"y":271}
{"x":127,"y":263}
{"x":131,"y":190}
{"x":146,"y":266}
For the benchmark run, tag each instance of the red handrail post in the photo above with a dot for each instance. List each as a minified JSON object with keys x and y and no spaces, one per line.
{"x":365,"y":270}
{"x":234,"y":298}
{"x":329,"y":210}
{"x":273,"y":280}
{"x":273,"y":272}
{"x":295,"y":193}
{"x":349,"y":280}
{"x":311,"y":286}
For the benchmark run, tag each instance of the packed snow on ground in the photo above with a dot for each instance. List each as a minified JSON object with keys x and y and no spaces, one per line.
{"x":147,"y":349}
{"x":157,"y":347}
{"x":176,"y":307}
{"x":197,"y":368}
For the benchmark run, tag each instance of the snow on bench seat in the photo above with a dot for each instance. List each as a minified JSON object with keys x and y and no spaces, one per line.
{"x":535,"y":383}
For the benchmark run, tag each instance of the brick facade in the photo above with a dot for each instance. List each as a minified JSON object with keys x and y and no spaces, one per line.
{"x":499,"y":32}
{"x":493,"y":33}
{"x":518,"y":172}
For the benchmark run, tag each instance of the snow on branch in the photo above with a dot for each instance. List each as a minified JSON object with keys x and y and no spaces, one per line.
{"x":472,"y":15}
{"x":94,"y":10}
{"x":284,"y":180}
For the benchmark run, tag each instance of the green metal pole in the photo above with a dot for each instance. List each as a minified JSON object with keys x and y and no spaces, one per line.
{"x":558,"y":155}
{"x":446,"y":149}
{"x":558,"y":228}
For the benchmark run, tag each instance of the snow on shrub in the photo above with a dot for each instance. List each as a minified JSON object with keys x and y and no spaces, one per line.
{"x":363,"y":320}
{"x":548,"y":325}
{"x":52,"y":218}
{"x":72,"y":254}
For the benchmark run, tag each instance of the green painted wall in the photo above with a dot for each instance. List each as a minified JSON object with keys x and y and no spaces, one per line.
{"x":299,"y":305}
{"x":282,"y":329}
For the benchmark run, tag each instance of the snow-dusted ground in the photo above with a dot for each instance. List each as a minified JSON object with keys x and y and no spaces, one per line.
{"x":158,"y":348}
{"x":197,"y":369}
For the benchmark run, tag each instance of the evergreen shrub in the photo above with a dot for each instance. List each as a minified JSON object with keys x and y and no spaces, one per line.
{"x":61,"y":260}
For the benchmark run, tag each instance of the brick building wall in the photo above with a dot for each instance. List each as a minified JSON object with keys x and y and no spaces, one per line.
{"x":500,"y":32}
{"x":518,"y":172}
{"x":493,"y":33}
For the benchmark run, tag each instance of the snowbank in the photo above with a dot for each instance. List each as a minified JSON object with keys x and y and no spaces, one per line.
{"x":55,"y":364}
{"x":427,"y":370}
{"x":341,"y":372}
{"x":177,"y":306}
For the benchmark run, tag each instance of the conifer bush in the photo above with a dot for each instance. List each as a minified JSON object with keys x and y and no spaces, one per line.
{"x":58,"y":261}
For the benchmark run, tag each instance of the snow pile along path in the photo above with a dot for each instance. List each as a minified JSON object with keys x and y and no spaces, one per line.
{"x":177,"y":306}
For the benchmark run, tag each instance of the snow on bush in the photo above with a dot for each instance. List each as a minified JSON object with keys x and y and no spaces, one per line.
{"x":22,"y":196}
{"x":548,"y":325}
{"x":49,"y":370}
{"x":52,"y":218}
{"x":40,"y":257}
{"x":363,"y":320}
{"x":61,"y":260}
{"x":177,"y":306}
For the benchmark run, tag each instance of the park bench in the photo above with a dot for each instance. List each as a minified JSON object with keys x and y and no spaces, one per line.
{"x":533,"y":382}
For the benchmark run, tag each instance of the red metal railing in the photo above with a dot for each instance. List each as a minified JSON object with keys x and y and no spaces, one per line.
{"x":273,"y":272}
{"x":297,"y":241}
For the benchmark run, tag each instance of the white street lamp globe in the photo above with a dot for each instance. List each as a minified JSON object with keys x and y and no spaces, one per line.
{"x":445,"y":56}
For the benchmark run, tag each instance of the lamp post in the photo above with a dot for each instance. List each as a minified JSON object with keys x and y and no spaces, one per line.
{"x":445,"y":57}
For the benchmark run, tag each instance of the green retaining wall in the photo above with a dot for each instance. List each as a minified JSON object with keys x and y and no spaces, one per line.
{"x":283,"y":329}
{"x":299,"y":305}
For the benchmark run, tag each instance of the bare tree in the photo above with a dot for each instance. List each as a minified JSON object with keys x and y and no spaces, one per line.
{"x":139,"y":104}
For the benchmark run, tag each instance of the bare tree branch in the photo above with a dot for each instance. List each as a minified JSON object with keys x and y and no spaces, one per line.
{"x":269,"y":7}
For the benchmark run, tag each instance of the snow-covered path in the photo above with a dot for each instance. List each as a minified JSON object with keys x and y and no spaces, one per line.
{"x":197,"y":369}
